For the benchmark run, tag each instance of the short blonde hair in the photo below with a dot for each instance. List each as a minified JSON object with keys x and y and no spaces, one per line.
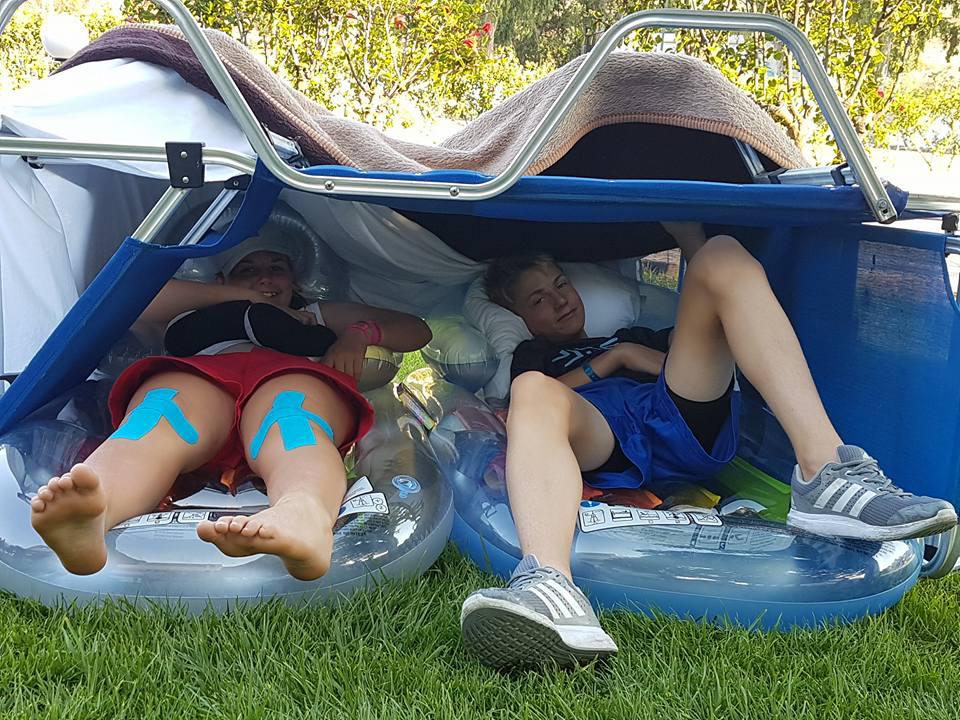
{"x":503,"y":272}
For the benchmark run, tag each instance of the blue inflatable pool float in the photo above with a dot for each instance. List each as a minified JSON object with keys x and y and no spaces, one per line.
{"x":725,"y":569}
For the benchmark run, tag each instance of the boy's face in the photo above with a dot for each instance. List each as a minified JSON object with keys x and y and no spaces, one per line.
{"x":267,"y":272}
{"x":548,"y":303}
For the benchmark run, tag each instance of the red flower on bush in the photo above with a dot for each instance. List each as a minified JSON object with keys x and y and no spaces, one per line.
{"x":880,"y":92}
{"x":469,"y":43}
{"x":487,"y":28}
{"x":399,"y":21}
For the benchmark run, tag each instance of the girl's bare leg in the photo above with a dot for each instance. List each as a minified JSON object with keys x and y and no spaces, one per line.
{"x":123,"y":478}
{"x":305,"y":485}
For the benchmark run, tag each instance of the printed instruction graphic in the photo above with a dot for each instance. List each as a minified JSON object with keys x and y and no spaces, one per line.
{"x":598,"y":516}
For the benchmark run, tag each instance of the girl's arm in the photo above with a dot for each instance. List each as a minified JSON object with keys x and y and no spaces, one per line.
{"x":180,"y":296}
{"x":400,"y":332}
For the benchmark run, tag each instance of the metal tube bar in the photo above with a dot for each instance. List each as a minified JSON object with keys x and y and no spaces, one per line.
{"x":164,"y":209}
{"x":933,"y":202}
{"x":7,"y":9}
{"x":40,"y":148}
{"x":870,"y":184}
{"x":209,"y":217}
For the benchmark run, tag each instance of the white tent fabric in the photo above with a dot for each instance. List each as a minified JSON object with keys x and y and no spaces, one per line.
{"x":60,"y":224}
{"x":123,"y":102}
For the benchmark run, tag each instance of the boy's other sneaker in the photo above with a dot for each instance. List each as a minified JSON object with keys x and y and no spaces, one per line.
{"x":854,"y":499}
{"x":540,"y":616}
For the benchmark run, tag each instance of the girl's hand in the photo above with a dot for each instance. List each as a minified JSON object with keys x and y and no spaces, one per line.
{"x":347,"y":354}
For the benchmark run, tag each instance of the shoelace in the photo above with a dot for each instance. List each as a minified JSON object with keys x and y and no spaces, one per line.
{"x":869,"y":472}
{"x":520,"y":581}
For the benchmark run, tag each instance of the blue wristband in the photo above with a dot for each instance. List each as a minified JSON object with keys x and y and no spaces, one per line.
{"x":589,"y":372}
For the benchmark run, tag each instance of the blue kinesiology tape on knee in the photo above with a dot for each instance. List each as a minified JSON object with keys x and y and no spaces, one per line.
{"x":294,"y":423}
{"x":156,"y":405}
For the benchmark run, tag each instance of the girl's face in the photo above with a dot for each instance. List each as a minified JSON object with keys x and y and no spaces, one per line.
{"x":266,"y":272}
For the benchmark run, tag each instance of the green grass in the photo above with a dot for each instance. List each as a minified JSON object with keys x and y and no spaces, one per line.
{"x":395,"y":653}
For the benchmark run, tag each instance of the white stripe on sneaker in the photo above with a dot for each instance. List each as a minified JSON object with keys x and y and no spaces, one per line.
{"x":568,"y":596}
{"x":860,"y":504}
{"x":548,"y":601}
{"x":829,"y":493}
{"x":549,"y":589}
{"x":845,"y":498}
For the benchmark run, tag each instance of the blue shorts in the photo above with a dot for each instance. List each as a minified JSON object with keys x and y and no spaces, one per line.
{"x":654,"y":436}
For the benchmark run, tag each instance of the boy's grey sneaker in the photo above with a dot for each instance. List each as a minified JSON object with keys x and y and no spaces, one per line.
{"x":540,"y":616}
{"x":854,"y":499}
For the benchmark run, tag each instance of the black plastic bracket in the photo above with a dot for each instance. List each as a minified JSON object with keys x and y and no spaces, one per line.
{"x":185,"y":163}
{"x":773,"y":176}
{"x":237,"y":182}
{"x":837,"y":174}
{"x":950,"y":222}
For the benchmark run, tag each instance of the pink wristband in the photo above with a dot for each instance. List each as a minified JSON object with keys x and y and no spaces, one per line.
{"x":370,"y":329}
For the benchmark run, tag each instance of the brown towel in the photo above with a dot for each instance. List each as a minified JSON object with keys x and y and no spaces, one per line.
{"x":629,"y":88}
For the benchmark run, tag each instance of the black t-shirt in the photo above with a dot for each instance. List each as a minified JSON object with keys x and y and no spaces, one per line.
{"x":555,"y":359}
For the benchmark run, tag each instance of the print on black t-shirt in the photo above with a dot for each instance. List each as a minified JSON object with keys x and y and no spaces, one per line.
{"x":555,"y":359}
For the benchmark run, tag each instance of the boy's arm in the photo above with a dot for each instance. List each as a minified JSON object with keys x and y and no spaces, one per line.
{"x":629,"y":356}
{"x":400,"y":332}
{"x":604,"y":365}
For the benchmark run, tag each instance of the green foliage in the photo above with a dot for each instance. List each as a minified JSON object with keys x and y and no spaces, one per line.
{"x":925,"y":117}
{"x":360,"y":59}
{"x":865,"y":45}
{"x":486,"y":83}
{"x":22,"y":57}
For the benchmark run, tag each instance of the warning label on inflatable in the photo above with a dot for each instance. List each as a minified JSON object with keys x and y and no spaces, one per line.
{"x":369,"y":503}
{"x":360,"y":487}
{"x":175,"y":517}
{"x":597,"y":516}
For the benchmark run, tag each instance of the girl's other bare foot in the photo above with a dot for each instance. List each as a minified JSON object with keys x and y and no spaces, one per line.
{"x":69,"y":513}
{"x":290,"y":530}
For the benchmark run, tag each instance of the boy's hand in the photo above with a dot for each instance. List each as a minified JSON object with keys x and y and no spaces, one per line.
{"x":690,"y":236}
{"x":639,"y":358}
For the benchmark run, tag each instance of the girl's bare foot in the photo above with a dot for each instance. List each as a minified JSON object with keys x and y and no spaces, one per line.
{"x":290,"y":530}
{"x":69,"y":514}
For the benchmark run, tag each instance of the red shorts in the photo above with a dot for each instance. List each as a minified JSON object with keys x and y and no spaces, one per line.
{"x":240,"y":374}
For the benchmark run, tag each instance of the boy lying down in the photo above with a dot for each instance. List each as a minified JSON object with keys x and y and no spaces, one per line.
{"x":645,"y":405}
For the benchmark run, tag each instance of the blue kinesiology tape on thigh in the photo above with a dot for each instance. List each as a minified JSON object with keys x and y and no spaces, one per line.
{"x":294,"y":423}
{"x":156,"y":405}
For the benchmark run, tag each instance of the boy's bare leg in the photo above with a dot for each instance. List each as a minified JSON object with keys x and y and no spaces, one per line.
{"x":123,"y":478}
{"x":729,"y":315}
{"x":305,"y":485}
{"x":554,"y":434}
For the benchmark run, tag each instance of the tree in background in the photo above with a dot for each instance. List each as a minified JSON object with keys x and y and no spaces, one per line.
{"x":925,"y":117}
{"x":361,"y":58}
{"x":865,"y":46}
{"x":456,"y":58}
{"x":22,"y":57}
